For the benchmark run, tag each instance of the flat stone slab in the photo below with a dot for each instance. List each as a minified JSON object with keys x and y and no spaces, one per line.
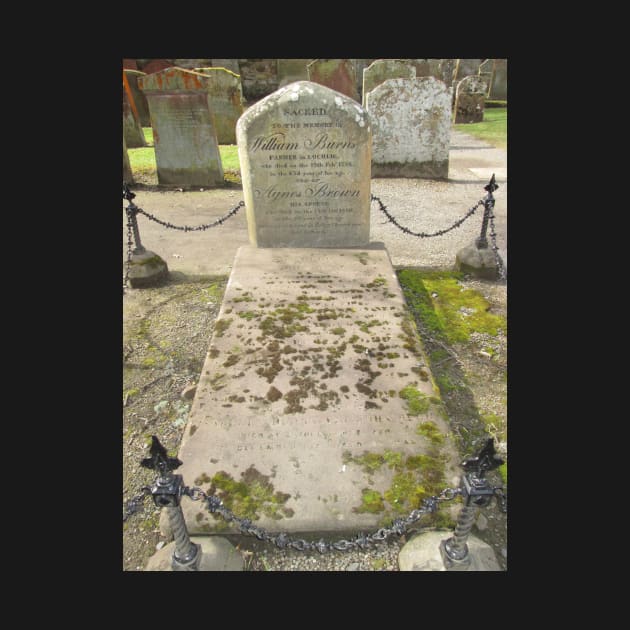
{"x":500,"y":174}
{"x":422,"y":553}
{"x":217,"y":554}
{"x":315,"y":403}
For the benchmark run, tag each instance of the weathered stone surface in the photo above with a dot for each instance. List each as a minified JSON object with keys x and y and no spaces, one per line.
{"x":314,"y":363}
{"x":498,"y":88}
{"x":465,"y":68}
{"x":411,"y":128}
{"x":337,"y":74}
{"x":470,"y":98}
{"x":184,"y":134}
{"x":291,"y":70}
{"x":156,"y":65}
{"x":226,"y":101}
{"x":259,"y":77}
{"x":479,"y":262}
{"x":130,"y":64}
{"x":140,"y":100}
{"x":218,"y":554}
{"x":305,"y":164}
{"x":383,"y":69}
{"x":229,"y":64}
{"x":127,"y":174}
{"x":132,"y":129}
{"x":191,"y":64}
{"x":422,"y":553}
{"x":147,"y":269}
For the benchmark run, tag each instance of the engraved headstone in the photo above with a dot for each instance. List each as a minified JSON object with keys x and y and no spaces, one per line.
{"x":226,"y":101}
{"x":186,"y":149}
{"x":411,"y":128}
{"x":470,"y":98}
{"x":383,"y":69}
{"x":291,"y":70}
{"x":132,"y":129}
{"x":305,"y":163}
{"x":337,"y":74}
{"x":139,"y":99}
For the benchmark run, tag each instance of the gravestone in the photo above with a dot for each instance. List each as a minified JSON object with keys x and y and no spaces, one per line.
{"x":470,"y":98}
{"x":337,"y":74}
{"x":185,"y":139}
{"x":383,"y":69}
{"x":140,"y":100}
{"x":486,"y":72}
{"x":191,"y":64}
{"x":132,"y":129}
{"x":130,"y":64}
{"x":156,"y":65}
{"x":465,"y":68}
{"x":291,"y":70}
{"x":226,"y":101}
{"x":498,"y":88}
{"x":411,"y":128}
{"x":229,"y":64}
{"x":305,"y":164}
{"x":127,"y":174}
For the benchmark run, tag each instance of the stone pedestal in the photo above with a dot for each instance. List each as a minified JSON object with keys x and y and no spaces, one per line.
{"x":422,"y":553}
{"x":479,"y":262}
{"x":217,"y":555}
{"x":146,"y":269}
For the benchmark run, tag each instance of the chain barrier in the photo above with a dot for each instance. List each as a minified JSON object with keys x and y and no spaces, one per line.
{"x":186,"y":228}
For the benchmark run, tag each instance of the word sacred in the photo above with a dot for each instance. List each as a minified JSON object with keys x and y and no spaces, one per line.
{"x":276,"y":142}
{"x":313,"y":111}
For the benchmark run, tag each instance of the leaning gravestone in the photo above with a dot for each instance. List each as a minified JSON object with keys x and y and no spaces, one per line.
{"x":305,"y":164}
{"x":470,"y":98}
{"x":139,"y":98}
{"x":226,"y":101}
{"x":383,"y":69}
{"x":412,"y":128}
{"x":186,"y":149}
{"x":291,"y":70}
{"x":132,"y":129}
{"x":337,"y":74}
{"x":127,"y":174}
{"x":498,"y":89}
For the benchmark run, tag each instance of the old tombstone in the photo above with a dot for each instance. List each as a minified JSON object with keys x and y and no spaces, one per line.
{"x":291,"y":70}
{"x":132,"y":129}
{"x":465,"y":68}
{"x":411,"y":128}
{"x":226,"y":101}
{"x":498,"y":88}
{"x":470,"y":98}
{"x":127,"y":174}
{"x":486,"y":71}
{"x":156,"y":65}
{"x":383,"y":69}
{"x":140,"y":100}
{"x":186,"y":149}
{"x":229,"y":64}
{"x":305,"y":164}
{"x":191,"y":64}
{"x":337,"y":74}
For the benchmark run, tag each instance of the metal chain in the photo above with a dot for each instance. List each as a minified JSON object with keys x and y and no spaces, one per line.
{"x":493,"y":237}
{"x":135,"y":504}
{"x":501,"y":499}
{"x":399,"y":526}
{"x":186,"y":228}
{"x":129,"y":247}
{"x":457,"y":223}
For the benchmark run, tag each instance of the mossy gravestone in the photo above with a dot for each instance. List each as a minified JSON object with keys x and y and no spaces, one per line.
{"x":305,"y":163}
{"x":411,"y":128}
{"x":184,"y":132}
{"x":470,"y":98}
{"x":383,"y":69}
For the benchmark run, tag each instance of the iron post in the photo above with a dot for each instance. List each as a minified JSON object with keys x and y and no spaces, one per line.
{"x":488,"y":204}
{"x":132,"y":211}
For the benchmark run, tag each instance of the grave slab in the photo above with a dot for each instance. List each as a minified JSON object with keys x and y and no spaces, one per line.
{"x":315,"y":410}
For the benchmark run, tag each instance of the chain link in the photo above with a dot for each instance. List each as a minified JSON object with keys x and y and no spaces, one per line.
{"x":186,"y":228}
{"x":457,"y":223}
{"x":136,"y":504}
{"x":495,"y":248}
{"x":129,"y":212}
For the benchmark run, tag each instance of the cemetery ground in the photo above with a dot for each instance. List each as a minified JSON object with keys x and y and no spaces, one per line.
{"x":167,"y":331}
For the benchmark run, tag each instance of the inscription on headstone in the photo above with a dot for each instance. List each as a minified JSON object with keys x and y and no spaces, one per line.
{"x":383,"y":69}
{"x":226,"y":101}
{"x":470,"y":98}
{"x":305,"y":155}
{"x":412,"y":128}
{"x":337,"y":74}
{"x":186,"y":149}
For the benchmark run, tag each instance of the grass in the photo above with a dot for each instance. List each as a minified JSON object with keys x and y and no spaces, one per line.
{"x":493,"y":129}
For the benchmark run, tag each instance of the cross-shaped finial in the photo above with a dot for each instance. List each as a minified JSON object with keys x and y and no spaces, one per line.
{"x":127,"y":194}
{"x":492,"y":185}
{"x":485,"y":460}
{"x":159,"y":459}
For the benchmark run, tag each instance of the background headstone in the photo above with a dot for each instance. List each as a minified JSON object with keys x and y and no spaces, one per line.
{"x":132,"y":129}
{"x":229,"y":64}
{"x":465,"y":68}
{"x":190,"y":64}
{"x":226,"y":101}
{"x":470,"y":98}
{"x":486,"y":71}
{"x":155,"y":65}
{"x":127,"y":174}
{"x":305,"y":164}
{"x":291,"y":70}
{"x":185,"y":139}
{"x":498,"y":89}
{"x":336,"y":74}
{"x":411,"y":128}
{"x":383,"y":69}
{"x":139,"y":98}
{"x":130,"y":64}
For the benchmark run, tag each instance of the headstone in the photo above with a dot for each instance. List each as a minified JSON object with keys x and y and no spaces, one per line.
{"x":226,"y":101}
{"x":132,"y":129}
{"x":130,"y":64}
{"x":498,"y":89}
{"x":139,"y":98}
{"x":470,"y":98}
{"x":127,"y":174}
{"x":305,"y":164}
{"x":383,"y":69}
{"x":465,"y":68}
{"x":411,"y":128}
{"x":156,"y":65}
{"x":190,"y":64}
{"x":229,"y":64}
{"x":184,"y":135}
{"x":291,"y":70}
{"x":446,"y":71}
{"x":337,"y":74}
{"x":359,"y":66}
{"x":486,"y":71}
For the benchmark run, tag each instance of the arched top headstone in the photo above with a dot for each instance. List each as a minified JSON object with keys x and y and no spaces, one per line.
{"x":472,"y":85}
{"x":384,"y":69}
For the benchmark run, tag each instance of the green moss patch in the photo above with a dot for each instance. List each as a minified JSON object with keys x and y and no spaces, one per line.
{"x":417,"y":402}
